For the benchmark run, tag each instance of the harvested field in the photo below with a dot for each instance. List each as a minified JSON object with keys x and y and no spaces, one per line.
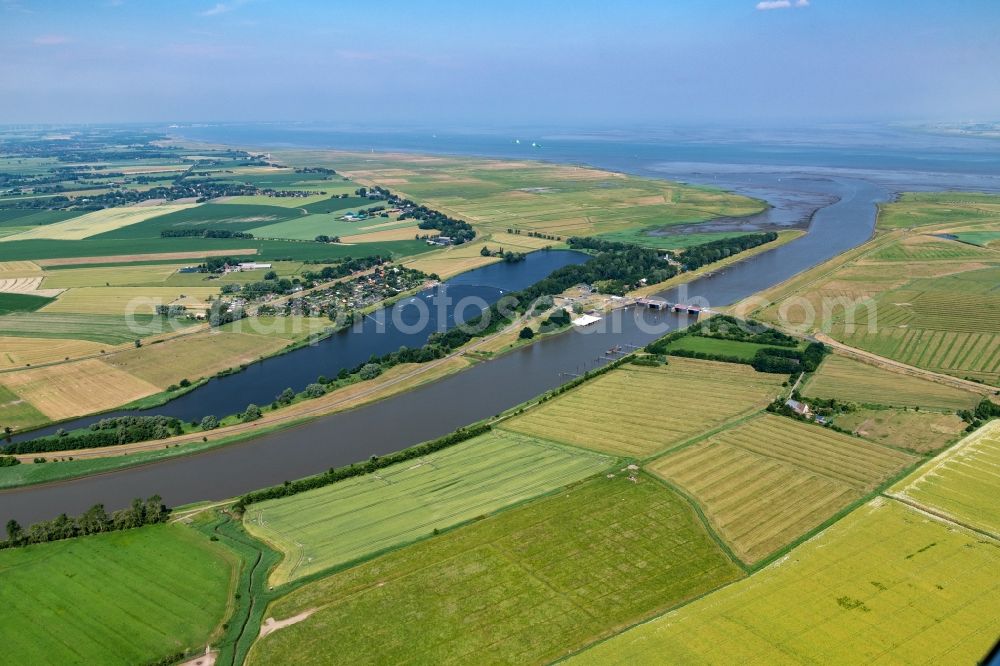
{"x":19,"y":352}
{"x":122,"y":301}
{"x":923,"y":431}
{"x":130,"y":597}
{"x":848,"y":380}
{"x":358,"y":517}
{"x":16,"y":269}
{"x":27,"y":285}
{"x":767,"y":482}
{"x":639,"y":411}
{"x":111,"y":276}
{"x":963,"y":482}
{"x":528,"y":585}
{"x":76,"y":388}
{"x":402,"y":233}
{"x":140,"y":258}
{"x":884,"y":585}
{"x":98,"y":222}
{"x":194,"y":356}
{"x":108,"y":329}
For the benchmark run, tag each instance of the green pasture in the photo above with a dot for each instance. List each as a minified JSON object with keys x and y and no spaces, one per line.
{"x":230,"y":217}
{"x":112,"y":329}
{"x":310,"y":226}
{"x":21,"y":302}
{"x":709,"y":345}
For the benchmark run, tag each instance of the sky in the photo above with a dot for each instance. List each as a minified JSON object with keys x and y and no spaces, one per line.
{"x":514,"y":62}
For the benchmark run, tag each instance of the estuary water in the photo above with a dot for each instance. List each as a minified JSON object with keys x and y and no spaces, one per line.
{"x":830,"y":188}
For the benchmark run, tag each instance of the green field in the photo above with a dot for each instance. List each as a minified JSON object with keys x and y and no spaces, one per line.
{"x":639,"y":411}
{"x":929,"y":248}
{"x":644,"y":238}
{"x":230,"y":217}
{"x":914,"y":209}
{"x":368,"y":514}
{"x":528,"y":585}
{"x":310,"y":226}
{"x":17,"y":413}
{"x":981,"y":238}
{"x":848,"y":380}
{"x":30,"y":217}
{"x":21,"y":302}
{"x":963,"y":482}
{"x":112,"y":329}
{"x":120,"y":598}
{"x":709,"y":345}
{"x":884,"y":585}
{"x":767,"y":482}
{"x":340,"y":205}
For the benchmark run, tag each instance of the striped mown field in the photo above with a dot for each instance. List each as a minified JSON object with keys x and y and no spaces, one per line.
{"x":639,"y":411}
{"x":98,"y":222}
{"x":528,"y":585}
{"x":770,"y":480}
{"x":364,"y":515}
{"x":886,"y":584}
{"x":848,"y":380}
{"x":963,"y":482}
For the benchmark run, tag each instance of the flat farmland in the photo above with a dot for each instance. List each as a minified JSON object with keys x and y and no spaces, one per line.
{"x":76,"y":388}
{"x":18,"y":413}
{"x":193,"y":356}
{"x":291,"y":328}
{"x":119,"y":598}
{"x":767,"y":482}
{"x":638,"y":411}
{"x":963,"y":482}
{"x":11,"y":303}
{"x":980,"y":238}
{"x":915,"y":209}
{"x":206,"y":216}
{"x":98,"y":222}
{"x":709,"y":345}
{"x":18,"y":352}
{"x":848,"y":380}
{"x":18,"y":269}
{"x":309,"y":226}
{"x":124,"y":300}
{"x":923,"y":431}
{"x":391,"y":234}
{"x":453,"y":260}
{"x":110,"y":329}
{"x":111,"y":276}
{"x":884,"y":585}
{"x":931,"y":248}
{"x":528,"y":585}
{"x":365,"y":515}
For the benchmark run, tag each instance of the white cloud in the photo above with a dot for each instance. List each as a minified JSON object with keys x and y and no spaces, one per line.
{"x":219,"y":8}
{"x":764,"y":5}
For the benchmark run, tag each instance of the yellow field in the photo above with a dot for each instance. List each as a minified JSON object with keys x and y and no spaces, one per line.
{"x":519,"y":242}
{"x":116,"y":276}
{"x":16,"y":269}
{"x":98,"y":222}
{"x":922,"y":431}
{"x":451,"y":261}
{"x":639,"y":411}
{"x":194,"y":356}
{"x":123,"y":300}
{"x":403,"y":233}
{"x":853,"y":381}
{"x":885,"y":585}
{"x":768,"y":481}
{"x":76,"y":388}
{"x":963,"y":482}
{"x":19,"y":352}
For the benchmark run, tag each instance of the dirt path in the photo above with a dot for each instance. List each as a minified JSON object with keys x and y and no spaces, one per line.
{"x":271,"y":625}
{"x":896,"y":366}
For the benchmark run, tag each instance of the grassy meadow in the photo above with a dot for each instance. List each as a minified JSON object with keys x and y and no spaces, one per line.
{"x":639,"y":411}
{"x":709,"y":345}
{"x":770,"y":480}
{"x":119,"y":598}
{"x":963,"y":482}
{"x":528,"y":585}
{"x":922,"y":432}
{"x":365,"y":515}
{"x":100,"y":328}
{"x":886,"y":584}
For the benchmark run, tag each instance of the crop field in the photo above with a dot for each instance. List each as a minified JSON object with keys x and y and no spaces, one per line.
{"x":10,"y":302}
{"x":767,"y":482}
{"x":923,"y":431}
{"x":231,"y":217}
{"x":528,"y":585}
{"x":98,"y":222}
{"x":453,"y":260}
{"x":111,"y":276}
{"x":931,"y":248}
{"x":393,"y":233}
{"x":981,"y":238}
{"x":17,"y":269}
{"x":193,"y":356}
{"x":963,"y":482}
{"x":884,"y":585}
{"x":914,"y":209}
{"x":109,"y":329}
{"x":123,"y":300}
{"x":365,"y":515}
{"x":291,"y":328}
{"x":19,"y":352}
{"x":639,"y":411}
{"x":76,"y":388}
{"x":853,"y":381}
{"x":533,"y":196}
{"x":18,"y":413}
{"x":29,"y":217}
{"x":310,"y":226}
{"x":284,"y":202}
{"x":119,"y":598}
{"x":708,"y":345}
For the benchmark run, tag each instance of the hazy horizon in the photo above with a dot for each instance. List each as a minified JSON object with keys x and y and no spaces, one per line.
{"x":583,"y":64}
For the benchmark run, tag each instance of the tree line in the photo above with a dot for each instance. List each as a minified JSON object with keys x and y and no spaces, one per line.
{"x":106,"y":432}
{"x":204,"y":233}
{"x":93,"y":521}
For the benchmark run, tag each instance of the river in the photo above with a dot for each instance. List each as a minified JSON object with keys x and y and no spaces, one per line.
{"x":838,"y":205}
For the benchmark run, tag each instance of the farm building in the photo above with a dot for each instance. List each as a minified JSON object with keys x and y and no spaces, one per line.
{"x":800,"y":408}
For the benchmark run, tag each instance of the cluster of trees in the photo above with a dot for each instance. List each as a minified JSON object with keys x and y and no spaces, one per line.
{"x":323,"y":238}
{"x":171,"y":310}
{"x":106,"y":432}
{"x":697,"y":256}
{"x":221,"y":313}
{"x":509,"y":256}
{"x":984,"y":411}
{"x":94,"y":521}
{"x":731,"y":328}
{"x":374,"y":464}
{"x":788,"y":361}
{"x":204,"y":233}
{"x":534,"y":234}
{"x":458,"y":231}
{"x":345,"y":267}
{"x":9,"y":461}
